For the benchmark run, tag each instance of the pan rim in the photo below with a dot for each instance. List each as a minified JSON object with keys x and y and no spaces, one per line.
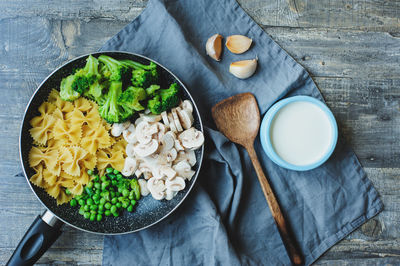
{"x":200,"y":162}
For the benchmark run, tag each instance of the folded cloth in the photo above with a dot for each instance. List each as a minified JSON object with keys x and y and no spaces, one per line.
{"x":226,"y":220}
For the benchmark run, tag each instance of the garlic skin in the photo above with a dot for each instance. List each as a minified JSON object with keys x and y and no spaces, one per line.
{"x":243,"y":69}
{"x":214,"y":47}
{"x":238,"y":44}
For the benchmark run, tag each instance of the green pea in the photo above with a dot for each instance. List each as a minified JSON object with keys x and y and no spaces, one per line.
{"x":104,"y":185}
{"x":81,"y":202}
{"x":112,"y":194}
{"x":107,"y":212}
{"x":136,"y":188}
{"x":117,"y":194}
{"x":116,"y":214}
{"x":73,"y":203}
{"x":101,"y":207}
{"x":133,"y":202}
{"x":114,"y":182}
{"x":90,"y":184}
{"x":109,"y":170}
{"x":111,"y":176}
{"x":113,"y":209}
{"x":103,"y":178}
{"x":102,"y":201}
{"x":89,"y":201}
{"x":125,"y":192}
{"x":93,"y":207}
{"x":90,"y":172}
{"x":107,"y":205}
{"x":131,"y":195}
{"x":96,"y":197}
{"x":125,"y":204}
{"x":93,"y":212}
{"x":100,"y":212}
{"x":99,"y":217}
{"x":86,"y":208}
{"x":96,"y":178}
{"x":67,"y":191}
{"x":130,"y":208}
{"x":86,"y":215}
{"x":115,"y":172}
{"x":119,"y":176}
{"x":97,"y":185}
{"x":97,"y":202}
{"x":114,"y":200}
{"x":81,"y":211}
{"x":119,"y":205}
{"x":89,"y":191}
{"x":92,"y":217}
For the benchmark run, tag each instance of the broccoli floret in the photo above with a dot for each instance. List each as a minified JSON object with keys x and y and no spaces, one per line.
{"x":164,"y":100}
{"x":151,"y":91}
{"x":154,"y":105}
{"x":169,"y":97}
{"x":95,"y":92}
{"x":67,"y":93}
{"x":131,"y":97}
{"x":113,"y":69}
{"x":110,"y":110}
{"x":142,"y":75}
{"x":88,"y":75}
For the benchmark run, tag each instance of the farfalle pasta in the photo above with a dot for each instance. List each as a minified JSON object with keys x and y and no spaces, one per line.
{"x":68,"y":137}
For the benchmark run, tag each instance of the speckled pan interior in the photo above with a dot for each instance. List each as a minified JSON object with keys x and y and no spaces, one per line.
{"x":148,"y":211}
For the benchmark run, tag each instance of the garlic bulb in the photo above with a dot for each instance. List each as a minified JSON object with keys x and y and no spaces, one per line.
{"x":243,"y":69}
{"x":238,"y":44}
{"x":214,"y":47}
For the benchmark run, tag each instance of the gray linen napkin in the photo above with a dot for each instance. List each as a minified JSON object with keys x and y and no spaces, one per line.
{"x":226,"y":220}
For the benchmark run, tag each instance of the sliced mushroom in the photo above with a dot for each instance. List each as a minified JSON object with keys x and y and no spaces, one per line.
{"x":184,"y":170}
{"x":191,"y":156}
{"x":188,"y":156}
{"x":164,"y":116}
{"x":144,"y":191}
{"x":187,"y":105}
{"x":171,"y":155}
{"x":147,"y":111}
{"x":176,"y":184}
{"x":129,"y":134}
{"x":138,"y":120}
{"x":161,"y":131}
{"x":145,"y":131}
{"x":151,"y":118}
{"x":118,"y":128}
{"x":143,"y":150}
{"x":172,"y":123}
{"x":156,"y":188}
{"x":129,"y":167}
{"x":167,"y":171}
{"x":147,"y":175}
{"x":185,"y":117}
{"x":178,"y":145}
{"x":176,"y":120}
{"x":168,"y":140}
{"x":138,"y":173}
{"x":169,"y":194}
{"x":130,"y":152}
{"x":191,"y":138}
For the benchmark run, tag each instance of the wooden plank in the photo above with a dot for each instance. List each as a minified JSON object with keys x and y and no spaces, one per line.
{"x":334,"y":53}
{"x":339,"y":14}
{"x":344,"y":14}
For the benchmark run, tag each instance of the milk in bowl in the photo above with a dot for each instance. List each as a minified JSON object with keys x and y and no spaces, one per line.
{"x":300,"y":133}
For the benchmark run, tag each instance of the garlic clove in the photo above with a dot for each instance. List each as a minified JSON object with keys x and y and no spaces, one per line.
{"x":243,"y":69}
{"x":214,"y":47}
{"x":238,"y":44}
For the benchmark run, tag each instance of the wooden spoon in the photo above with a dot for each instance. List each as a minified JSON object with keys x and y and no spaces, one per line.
{"x":238,"y":118}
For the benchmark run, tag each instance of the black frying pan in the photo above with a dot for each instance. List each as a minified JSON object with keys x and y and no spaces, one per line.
{"x":46,"y":228}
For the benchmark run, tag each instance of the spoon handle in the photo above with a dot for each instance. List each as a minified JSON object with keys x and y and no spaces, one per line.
{"x":275,"y":209}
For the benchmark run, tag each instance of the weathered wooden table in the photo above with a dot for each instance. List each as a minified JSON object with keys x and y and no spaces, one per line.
{"x":351,"y":48}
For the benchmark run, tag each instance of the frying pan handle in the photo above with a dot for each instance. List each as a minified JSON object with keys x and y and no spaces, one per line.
{"x":39,"y":237}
